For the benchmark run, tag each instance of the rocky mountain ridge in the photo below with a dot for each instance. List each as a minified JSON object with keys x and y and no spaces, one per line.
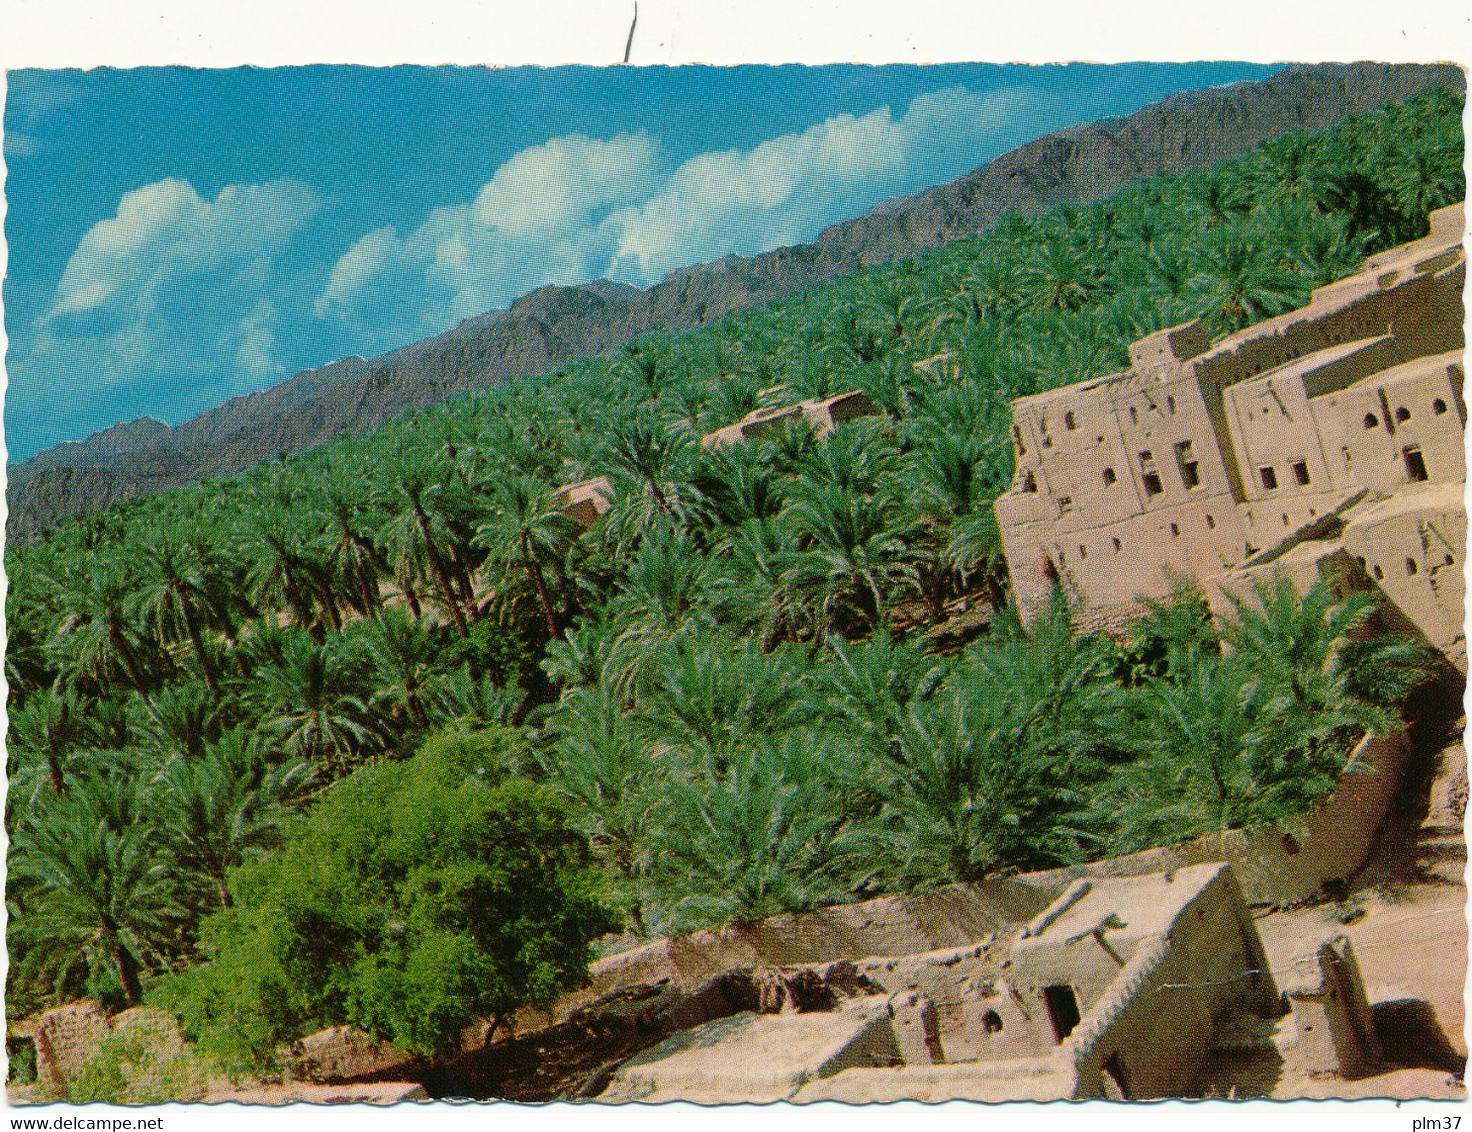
{"x":555,"y":325}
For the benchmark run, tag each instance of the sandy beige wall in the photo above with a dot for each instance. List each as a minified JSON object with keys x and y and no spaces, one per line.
{"x":1274,"y":867}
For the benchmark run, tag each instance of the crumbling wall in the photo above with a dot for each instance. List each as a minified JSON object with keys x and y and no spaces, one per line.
{"x":66,"y":1039}
{"x":949,"y":917}
{"x":1277,"y":866}
{"x":1151,"y":1029}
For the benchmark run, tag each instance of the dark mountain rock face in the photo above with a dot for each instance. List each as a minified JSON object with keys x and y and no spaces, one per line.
{"x":553,"y":326}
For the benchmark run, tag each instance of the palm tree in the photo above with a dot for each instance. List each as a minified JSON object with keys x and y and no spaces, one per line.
{"x":525,"y":528}
{"x":215,"y":810}
{"x":1060,"y":276}
{"x":744,"y":845}
{"x":1327,"y":672}
{"x":1081,"y":718}
{"x":963,"y":792}
{"x":651,"y":456}
{"x":100,"y":638}
{"x":602,"y":766}
{"x":311,"y":701}
{"x":276,"y":577}
{"x":710,"y":696}
{"x":105,"y":897}
{"x":186,"y":717}
{"x":50,"y":723}
{"x":1238,"y":284}
{"x":351,"y":552}
{"x":1202,"y":767}
{"x":171,"y":597}
{"x":859,"y":558}
{"x":405,"y":660}
{"x":421,"y":533}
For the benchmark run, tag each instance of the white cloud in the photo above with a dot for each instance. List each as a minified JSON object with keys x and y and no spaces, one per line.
{"x":788,"y":188}
{"x":574,"y":209}
{"x":252,"y":341}
{"x":166,"y":230}
{"x":536,"y":221}
{"x":170,"y":293}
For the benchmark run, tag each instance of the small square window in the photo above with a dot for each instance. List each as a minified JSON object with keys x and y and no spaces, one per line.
{"x":1152,"y":483}
{"x":1300,"y":473}
{"x":1269,"y":478}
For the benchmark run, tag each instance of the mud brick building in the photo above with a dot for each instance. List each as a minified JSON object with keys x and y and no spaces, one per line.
{"x":1326,"y":442}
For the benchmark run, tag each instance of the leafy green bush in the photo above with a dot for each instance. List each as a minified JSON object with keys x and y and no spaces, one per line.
{"x":413,"y":899}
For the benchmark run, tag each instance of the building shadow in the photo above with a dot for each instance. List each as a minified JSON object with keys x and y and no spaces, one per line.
{"x":1411,"y":1037}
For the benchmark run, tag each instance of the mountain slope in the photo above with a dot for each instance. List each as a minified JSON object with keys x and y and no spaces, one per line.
{"x":555,"y":325}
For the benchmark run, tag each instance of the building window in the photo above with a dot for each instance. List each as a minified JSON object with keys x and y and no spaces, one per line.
{"x":1109,"y":477}
{"x":1438,"y":406}
{"x":1411,"y":568}
{"x":1300,"y":473}
{"x":1371,"y":420}
{"x":1402,"y":414}
{"x":1210,"y":523}
{"x":1269,"y":478}
{"x":1415,"y":464}
{"x":1153,"y":486}
{"x":1068,"y":421}
{"x":1190,"y":469}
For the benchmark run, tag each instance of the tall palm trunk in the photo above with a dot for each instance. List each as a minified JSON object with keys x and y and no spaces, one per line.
{"x":129,"y":661}
{"x":440,"y":571}
{"x":127,"y":966}
{"x":196,"y":639}
{"x":541,"y":582}
{"x":217,"y":875}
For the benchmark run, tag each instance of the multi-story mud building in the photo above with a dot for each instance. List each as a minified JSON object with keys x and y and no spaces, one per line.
{"x":1325,"y":442}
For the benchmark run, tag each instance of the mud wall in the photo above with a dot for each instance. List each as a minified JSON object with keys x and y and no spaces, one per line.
{"x":1279,"y":866}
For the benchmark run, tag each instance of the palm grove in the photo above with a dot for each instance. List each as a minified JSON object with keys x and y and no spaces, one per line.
{"x":376,"y":735}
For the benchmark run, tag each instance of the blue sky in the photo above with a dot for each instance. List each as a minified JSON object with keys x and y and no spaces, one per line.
{"x":178,"y":236}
